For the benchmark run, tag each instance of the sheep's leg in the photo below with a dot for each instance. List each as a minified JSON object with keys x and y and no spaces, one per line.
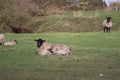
{"x":104,"y":29}
{"x":108,"y":29}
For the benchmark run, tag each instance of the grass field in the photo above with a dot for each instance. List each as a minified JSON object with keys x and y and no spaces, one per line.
{"x":74,"y":21}
{"x":95,"y":56}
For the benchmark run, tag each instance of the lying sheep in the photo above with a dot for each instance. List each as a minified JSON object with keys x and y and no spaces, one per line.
{"x":47,"y":48}
{"x":60,"y":49}
{"x":107,"y":24}
{"x":2,"y":39}
{"x":12,"y":43}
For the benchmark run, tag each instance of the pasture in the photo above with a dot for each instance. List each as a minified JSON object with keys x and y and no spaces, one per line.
{"x":95,"y":56}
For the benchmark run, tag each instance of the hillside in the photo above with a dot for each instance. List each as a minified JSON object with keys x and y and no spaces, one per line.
{"x":33,"y":16}
{"x":74,"y":21}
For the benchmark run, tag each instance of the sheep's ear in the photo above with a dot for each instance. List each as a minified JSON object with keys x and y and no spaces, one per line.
{"x":16,"y":41}
{"x":44,"y":41}
{"x":108,"y":18}
{"x":35,"y":40}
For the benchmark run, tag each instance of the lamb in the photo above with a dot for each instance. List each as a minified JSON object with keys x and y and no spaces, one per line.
{"x":48,"y":48}
{"x":107,"y":24}
{"x":2,"y":39}
{"x":12,"y":43}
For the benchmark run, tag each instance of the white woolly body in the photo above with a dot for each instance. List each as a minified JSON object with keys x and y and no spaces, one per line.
{"x":10,"y":43}
{"x":107,"y":24}
{"x":48,"y":48}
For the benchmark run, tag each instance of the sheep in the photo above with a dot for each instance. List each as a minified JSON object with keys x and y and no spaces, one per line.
{"x":2,"y":39}
{"x":48,"y":48}
{"x":60,"y":49}
{"x":107,"y":24}
{"x":12,"y":43}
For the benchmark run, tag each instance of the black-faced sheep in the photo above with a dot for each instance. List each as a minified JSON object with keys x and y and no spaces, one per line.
{"x":2,"y":39}
{"x":48,"y":48}
{"x":107,"y":24}
{"x":12,"y":43}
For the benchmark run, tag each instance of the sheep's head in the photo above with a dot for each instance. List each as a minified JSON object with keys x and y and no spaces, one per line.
{"x":15,"y":41}
{"x":1,"y":43}
{"x":39,"y":42}
{"x":108,"y":19}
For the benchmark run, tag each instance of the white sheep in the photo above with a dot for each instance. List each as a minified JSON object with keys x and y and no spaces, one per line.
{"x":2,"y":39}
{"x":48,"y":48}
{"x":107,"y":24}
{"x":60,"y":49}
{"x":12,"y":43}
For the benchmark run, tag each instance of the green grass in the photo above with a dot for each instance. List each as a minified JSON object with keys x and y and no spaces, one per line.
{"x":74,"y":21}
{"x":92,"y":54}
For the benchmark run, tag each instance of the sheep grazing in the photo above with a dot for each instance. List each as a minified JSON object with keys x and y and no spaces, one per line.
{"x":12,"y":43}
{"x":2,"y":39}
{"x":47,"y":48}
{"x":107,"y":24}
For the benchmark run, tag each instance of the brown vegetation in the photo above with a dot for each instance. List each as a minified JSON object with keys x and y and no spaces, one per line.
{"x":115,"y":6}
{"x":16,"y":14}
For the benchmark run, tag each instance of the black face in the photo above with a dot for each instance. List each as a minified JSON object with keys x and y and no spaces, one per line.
{"x":1,"y":43}
{"x":108,"y":19}
{"x":39,"y":42}
{"x":15,"y":41}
